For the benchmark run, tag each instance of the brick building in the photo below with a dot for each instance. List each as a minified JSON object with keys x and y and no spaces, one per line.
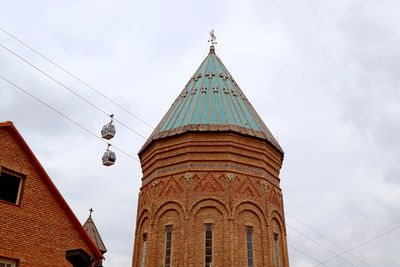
{"x":37,"y":227}
{"x":210,"y":192}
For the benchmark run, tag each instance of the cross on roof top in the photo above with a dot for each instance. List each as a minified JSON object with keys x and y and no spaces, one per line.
{"x":90,"y":210}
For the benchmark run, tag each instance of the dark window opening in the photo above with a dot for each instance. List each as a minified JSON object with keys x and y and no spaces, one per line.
{"x":276,"y":249}
{"x":208,"y":247}
{"x":249,"y":241}
{"x":10,"y":186}
{"x":168,"y":246}
{"x":78,"y":257}
{"x":144,"y":249}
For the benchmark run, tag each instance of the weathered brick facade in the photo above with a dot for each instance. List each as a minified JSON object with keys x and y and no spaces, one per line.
{"x":41,"y":227}
{"x":226,"y":179}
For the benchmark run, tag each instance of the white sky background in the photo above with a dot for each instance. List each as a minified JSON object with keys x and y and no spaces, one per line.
{"x":324,"y":76}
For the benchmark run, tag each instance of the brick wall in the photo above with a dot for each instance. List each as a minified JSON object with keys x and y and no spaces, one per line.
{"x":228,"y":180}
{"x":38,"y":231}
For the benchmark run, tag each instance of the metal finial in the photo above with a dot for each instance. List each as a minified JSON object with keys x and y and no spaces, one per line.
{"x":90,"y":210}
{"x":212,"y":38}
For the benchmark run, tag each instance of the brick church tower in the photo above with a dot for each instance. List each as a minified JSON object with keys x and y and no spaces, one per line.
{"x":210,"y":192}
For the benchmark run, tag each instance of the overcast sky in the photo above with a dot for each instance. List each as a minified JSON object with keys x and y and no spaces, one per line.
{"x":323,"y":75}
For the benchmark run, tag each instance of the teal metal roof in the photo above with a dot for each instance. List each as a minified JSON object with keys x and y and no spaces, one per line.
{"x":212,"y":101}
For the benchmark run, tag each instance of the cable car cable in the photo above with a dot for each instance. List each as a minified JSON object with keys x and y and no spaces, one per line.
{"x":93,"y":134}
{"x":76,"y":77}
{"x":66,"y":117}
{"x":319,"y":244}
{"x":308,"y":255}
{"x":362,"y":244}
{"x":70,"y":90}
{"x":121,"y":107}
{"x":321,"y":235}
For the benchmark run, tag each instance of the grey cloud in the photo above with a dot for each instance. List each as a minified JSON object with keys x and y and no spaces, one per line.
{"x":323,"y":76}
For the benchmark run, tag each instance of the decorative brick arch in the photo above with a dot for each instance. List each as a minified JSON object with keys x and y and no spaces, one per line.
{"x":209,"y":210}
{"x":252,"y":207}
{"x":209,"y":202}
{"x":169,"y":205}
{"x":142,"y":219}
{"x":261,"y":243}
{"x":275,"y":214}
{"x":169,"y":213}
{"x":276,"y":218}
{"x":142,"y":216}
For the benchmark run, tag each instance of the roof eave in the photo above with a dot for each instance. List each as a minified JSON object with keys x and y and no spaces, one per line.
{"x":201,"y":130}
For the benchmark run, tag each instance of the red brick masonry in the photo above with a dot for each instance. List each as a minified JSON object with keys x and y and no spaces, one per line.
{"x":38,"y":230}
{"x":226,"y":179}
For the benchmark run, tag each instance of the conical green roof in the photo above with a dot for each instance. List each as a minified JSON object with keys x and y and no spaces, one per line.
{"x":212,"y":102}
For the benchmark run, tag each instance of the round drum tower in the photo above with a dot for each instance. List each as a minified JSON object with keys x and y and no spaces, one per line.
{"x":210,"y":192}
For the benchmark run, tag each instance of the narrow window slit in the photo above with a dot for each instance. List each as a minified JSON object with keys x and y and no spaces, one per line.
{"x":168,"y":245}
{"x":208,"y":245}
{"x":276,"y":249}
{"x":249,"y":242}
{"x":144,"y":249}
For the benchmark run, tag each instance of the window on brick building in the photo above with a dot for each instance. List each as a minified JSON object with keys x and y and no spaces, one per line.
{"x":10,"y":187}
{"x":7,"y":263}
{"x":276,"y":249}
{"x":168,"y":245}
{"x":144,"y":249}
{"x":249,"y":242}
{"x":208,"y":245}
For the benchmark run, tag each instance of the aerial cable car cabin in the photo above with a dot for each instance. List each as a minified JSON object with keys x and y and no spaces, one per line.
{"x":109,"y":157}
{"x":108,"y":132}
